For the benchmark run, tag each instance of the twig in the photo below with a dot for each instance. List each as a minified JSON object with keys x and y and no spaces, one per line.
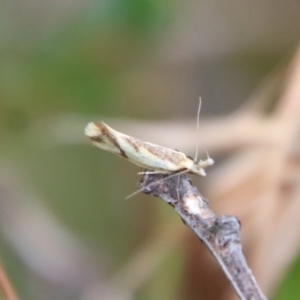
{"x":6,"y":287}
{"x":220,"y":234}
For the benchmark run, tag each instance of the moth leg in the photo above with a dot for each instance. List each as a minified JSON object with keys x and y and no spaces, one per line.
{"x":176,"y":173}
{"x":178,"y":187}
{"x":149,"y":172}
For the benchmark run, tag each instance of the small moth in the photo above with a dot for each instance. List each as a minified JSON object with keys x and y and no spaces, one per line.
{"x":152,"y":157}
{"x":144,"y":154}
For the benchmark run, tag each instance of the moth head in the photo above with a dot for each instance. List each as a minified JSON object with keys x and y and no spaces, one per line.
{"x":198,"y":170}
{"x":207,"y":162}
{"x":199,"y":166}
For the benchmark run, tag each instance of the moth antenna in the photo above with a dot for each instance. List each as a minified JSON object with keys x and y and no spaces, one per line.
{"x":197,"y":137}
{"x":207,"y":155}
{"x":155,"y":182}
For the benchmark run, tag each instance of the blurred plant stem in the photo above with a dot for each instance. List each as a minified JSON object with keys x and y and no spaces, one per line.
{"x":6,"y":286}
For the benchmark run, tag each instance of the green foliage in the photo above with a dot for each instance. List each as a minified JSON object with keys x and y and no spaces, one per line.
{"x":289,"y":288}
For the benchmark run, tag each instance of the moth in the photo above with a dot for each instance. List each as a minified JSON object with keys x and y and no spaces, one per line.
{"x":152,"y":157}
{"x":143,"y":154}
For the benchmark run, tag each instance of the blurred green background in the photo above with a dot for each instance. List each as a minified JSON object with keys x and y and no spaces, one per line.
{"x":65,"y":63}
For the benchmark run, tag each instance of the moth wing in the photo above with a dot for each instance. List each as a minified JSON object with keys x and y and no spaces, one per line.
{"x":103,"y":137}
{"x":151,"y":156}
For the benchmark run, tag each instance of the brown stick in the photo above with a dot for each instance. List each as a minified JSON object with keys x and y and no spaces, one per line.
{"x":220,"y":234}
